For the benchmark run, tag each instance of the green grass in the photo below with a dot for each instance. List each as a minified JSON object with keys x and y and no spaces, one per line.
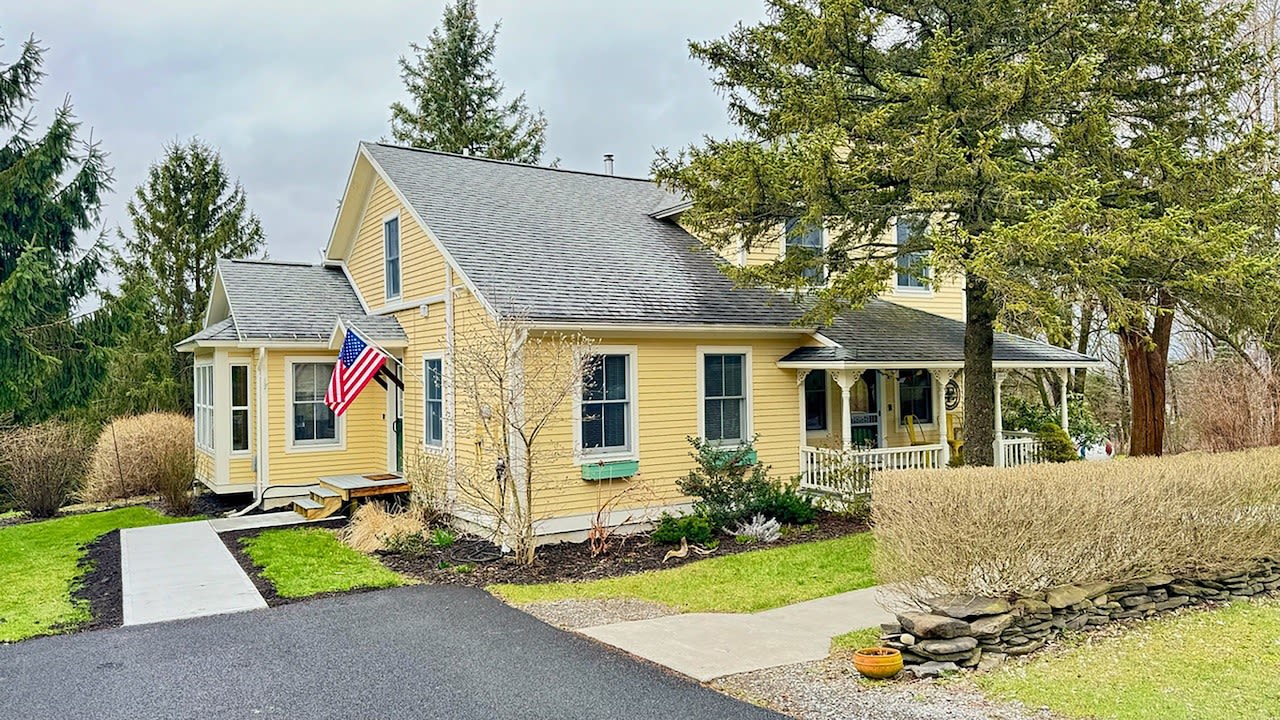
{"x":1210,"y":665}
{"x":39,"y":567}
{"x":745,"y":582}
{"x":856,"y":639}
{"x":306,"y":561}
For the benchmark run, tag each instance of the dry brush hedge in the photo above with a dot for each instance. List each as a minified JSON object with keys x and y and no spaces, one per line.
{"x":1020,"y":531}
{"x":141,"y":455}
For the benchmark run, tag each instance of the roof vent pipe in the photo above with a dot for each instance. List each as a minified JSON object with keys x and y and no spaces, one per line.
{"x":608,"y":163}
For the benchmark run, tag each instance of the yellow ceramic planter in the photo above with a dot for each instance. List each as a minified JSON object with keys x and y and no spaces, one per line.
{"x":878,"y":663}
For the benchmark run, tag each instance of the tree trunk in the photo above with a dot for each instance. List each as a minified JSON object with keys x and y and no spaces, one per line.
{"x":1076,"y":386}
{"x":979,"y":376}
{"x":1147,"y":355}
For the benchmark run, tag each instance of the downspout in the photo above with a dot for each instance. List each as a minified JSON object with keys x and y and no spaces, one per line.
{"x":261,"y":449}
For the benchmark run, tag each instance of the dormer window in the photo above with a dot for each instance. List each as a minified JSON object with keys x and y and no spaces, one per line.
{"x":391,"y":255}
{"x":913,"y":273}
{"x":806,"y":243}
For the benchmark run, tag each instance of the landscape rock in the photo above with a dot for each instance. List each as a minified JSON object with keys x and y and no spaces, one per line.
{"x":907,"y":639}
{"x":932,"y":669}
{"x":946,"y":647}
{"x":1031,"y":606}
{"x":1157,"y":580}
{"x":991,"y":661}
{"x":991,"y":625}
{"x":967,"y":606}
{"x":1064,"y":596}
{"x":928,"y":625}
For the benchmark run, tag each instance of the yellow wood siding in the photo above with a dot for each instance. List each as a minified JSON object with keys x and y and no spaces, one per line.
{"x":667,"y":380}
{"x":362,"y":430}
{"x":946,"y":300}
{"x":204,"y":466}
{"x":422,"y":266}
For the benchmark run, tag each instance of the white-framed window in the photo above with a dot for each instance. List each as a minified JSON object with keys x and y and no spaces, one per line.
{"x":915,"y":396}
{"x":807,"y":243}
{"x":724,"y":395}
{"x":240,"y":427}
{"x":433,"y":398}
{"x":311,"y":422}
{"x":391,"y":255}
{"x":913,"y":270}
{"x":607,"y":408}
{"x":204,"y":406}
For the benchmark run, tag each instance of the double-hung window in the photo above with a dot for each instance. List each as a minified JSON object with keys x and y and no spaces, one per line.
{"x":815,"y":400}
{"x":204,"y":407}
{"x":391,"y":255}
{"x":725,"y":414}
{"x":433,"y":424}
{"x":913,"y":270}
{"x":915,"y":396}
{"x":607,"y":404}
{"x":239,"y":408}
{"x":805,"y":243}
{"x":313,"y":422}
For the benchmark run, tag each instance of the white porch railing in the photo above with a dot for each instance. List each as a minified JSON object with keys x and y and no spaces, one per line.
{"x":1018,"y":448}
{"x":849,"y":471}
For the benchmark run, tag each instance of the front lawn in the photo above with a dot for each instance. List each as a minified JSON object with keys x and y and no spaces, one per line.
{"x":39,"y":568}
{"x":301,"y":562}
{"x":746,"y":582}
{"x":1210,"y":665}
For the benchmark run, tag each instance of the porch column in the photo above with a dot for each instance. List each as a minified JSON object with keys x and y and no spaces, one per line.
{"x":999,"y":444}
{"x":1062,"y":404}
{"x":940,"y":379}
{"x":845,"y":379}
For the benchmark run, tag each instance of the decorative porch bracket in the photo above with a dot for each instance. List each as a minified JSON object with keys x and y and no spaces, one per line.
{"x":845,"y":379}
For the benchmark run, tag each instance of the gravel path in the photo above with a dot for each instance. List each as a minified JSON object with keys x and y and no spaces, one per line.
{"x":831,"y":689}
{"x":576,"y":614}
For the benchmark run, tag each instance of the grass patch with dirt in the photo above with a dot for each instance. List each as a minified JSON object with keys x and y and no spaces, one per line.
{"x":1209,"y":665}
{"x":301,"y":562}
{"x":746,"y":582}
{"x":40,"y":566}
{"x":856,"y":640}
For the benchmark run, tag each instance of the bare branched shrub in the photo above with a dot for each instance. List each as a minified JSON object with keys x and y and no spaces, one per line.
{"x":608,"y":519}
{"x":41,"y":465}
{"x":517,"y":384}
{"x":427,"y":475}
{"x":373,"y":525}
{"x":137,"y":455}
{"x":996,"y":532}
{"x":175,"y":475}
{"x":1224,"y":404}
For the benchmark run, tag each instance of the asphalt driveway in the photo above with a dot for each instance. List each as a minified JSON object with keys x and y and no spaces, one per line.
{"x":417,"y":652}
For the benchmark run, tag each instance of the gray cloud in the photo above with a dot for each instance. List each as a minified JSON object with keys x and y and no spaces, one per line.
{"x":286,"y":89}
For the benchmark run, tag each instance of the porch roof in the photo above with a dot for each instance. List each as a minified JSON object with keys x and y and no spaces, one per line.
{"x":886,"y":335}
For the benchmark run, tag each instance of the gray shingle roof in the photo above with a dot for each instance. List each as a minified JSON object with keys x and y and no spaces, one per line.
{"x":883,"y":331}
{"x":221,"y":330}
{"x":564,"y":246}
{"x":295,"y":301}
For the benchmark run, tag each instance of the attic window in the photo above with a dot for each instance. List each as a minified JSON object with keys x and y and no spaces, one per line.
{"x":391,"y":255}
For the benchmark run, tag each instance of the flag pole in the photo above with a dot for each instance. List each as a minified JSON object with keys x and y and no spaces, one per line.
{"x":385,"y":352}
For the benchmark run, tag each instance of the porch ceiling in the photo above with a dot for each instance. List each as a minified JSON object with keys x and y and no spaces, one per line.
{"x":885,"y":335}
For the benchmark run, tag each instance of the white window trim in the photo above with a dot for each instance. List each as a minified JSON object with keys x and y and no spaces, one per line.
{"x":386,"y":284}
{"x":339,"y":443}
{"x":897,"y":393}
{"x":248,"y":380}
{"x":748,"y":431}
{"x":198,"y":406}
{"x":588,"y":457}
{"x":925,"y":290}
{"x":826,"y":271}
{"x":444,"y":406}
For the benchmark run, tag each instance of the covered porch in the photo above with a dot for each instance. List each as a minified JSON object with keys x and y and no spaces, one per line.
{"x":885,"y":392}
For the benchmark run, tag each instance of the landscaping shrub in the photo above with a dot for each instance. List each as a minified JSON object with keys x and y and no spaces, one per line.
{"x":41,"y":465}
{"x":726,"y":483}
{"x":141,"y":455}
{"x":671,"y":528}
{"x":1055,"y":445}
{"x":175,"y":477}
{"x":1021,"y":530}
{"x":373,"y":527}
{"x":784,"y":504}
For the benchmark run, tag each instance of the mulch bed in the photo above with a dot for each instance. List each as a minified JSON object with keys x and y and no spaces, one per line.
{"x":101,"y":585}
{"x":265,"y":587}
{"x":462,"y":563}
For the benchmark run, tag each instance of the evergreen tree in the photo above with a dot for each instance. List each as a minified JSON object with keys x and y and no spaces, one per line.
{"x":187,"y":215}
{"x":51,"y":188}
{"x":455,"y":98}
{"x":855,"y":114}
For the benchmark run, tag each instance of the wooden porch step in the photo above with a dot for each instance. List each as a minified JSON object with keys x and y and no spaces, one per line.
{"x":321,"y":503}
{"x":358,"y":486}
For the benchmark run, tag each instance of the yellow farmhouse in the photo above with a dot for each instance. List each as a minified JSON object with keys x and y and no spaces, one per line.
{"x":426,"y":242}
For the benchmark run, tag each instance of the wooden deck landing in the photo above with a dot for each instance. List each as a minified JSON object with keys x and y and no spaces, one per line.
{"x":327,"y":497}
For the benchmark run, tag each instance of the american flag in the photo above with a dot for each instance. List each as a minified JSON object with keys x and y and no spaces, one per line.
{"x":356,"y":366}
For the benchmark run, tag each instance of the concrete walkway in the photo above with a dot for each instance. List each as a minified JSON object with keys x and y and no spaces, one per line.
{"x":706,"y":646}
{"x":181,"y":571}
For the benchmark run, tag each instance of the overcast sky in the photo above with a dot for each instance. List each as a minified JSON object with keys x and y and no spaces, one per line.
{"x":285,"y":89}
